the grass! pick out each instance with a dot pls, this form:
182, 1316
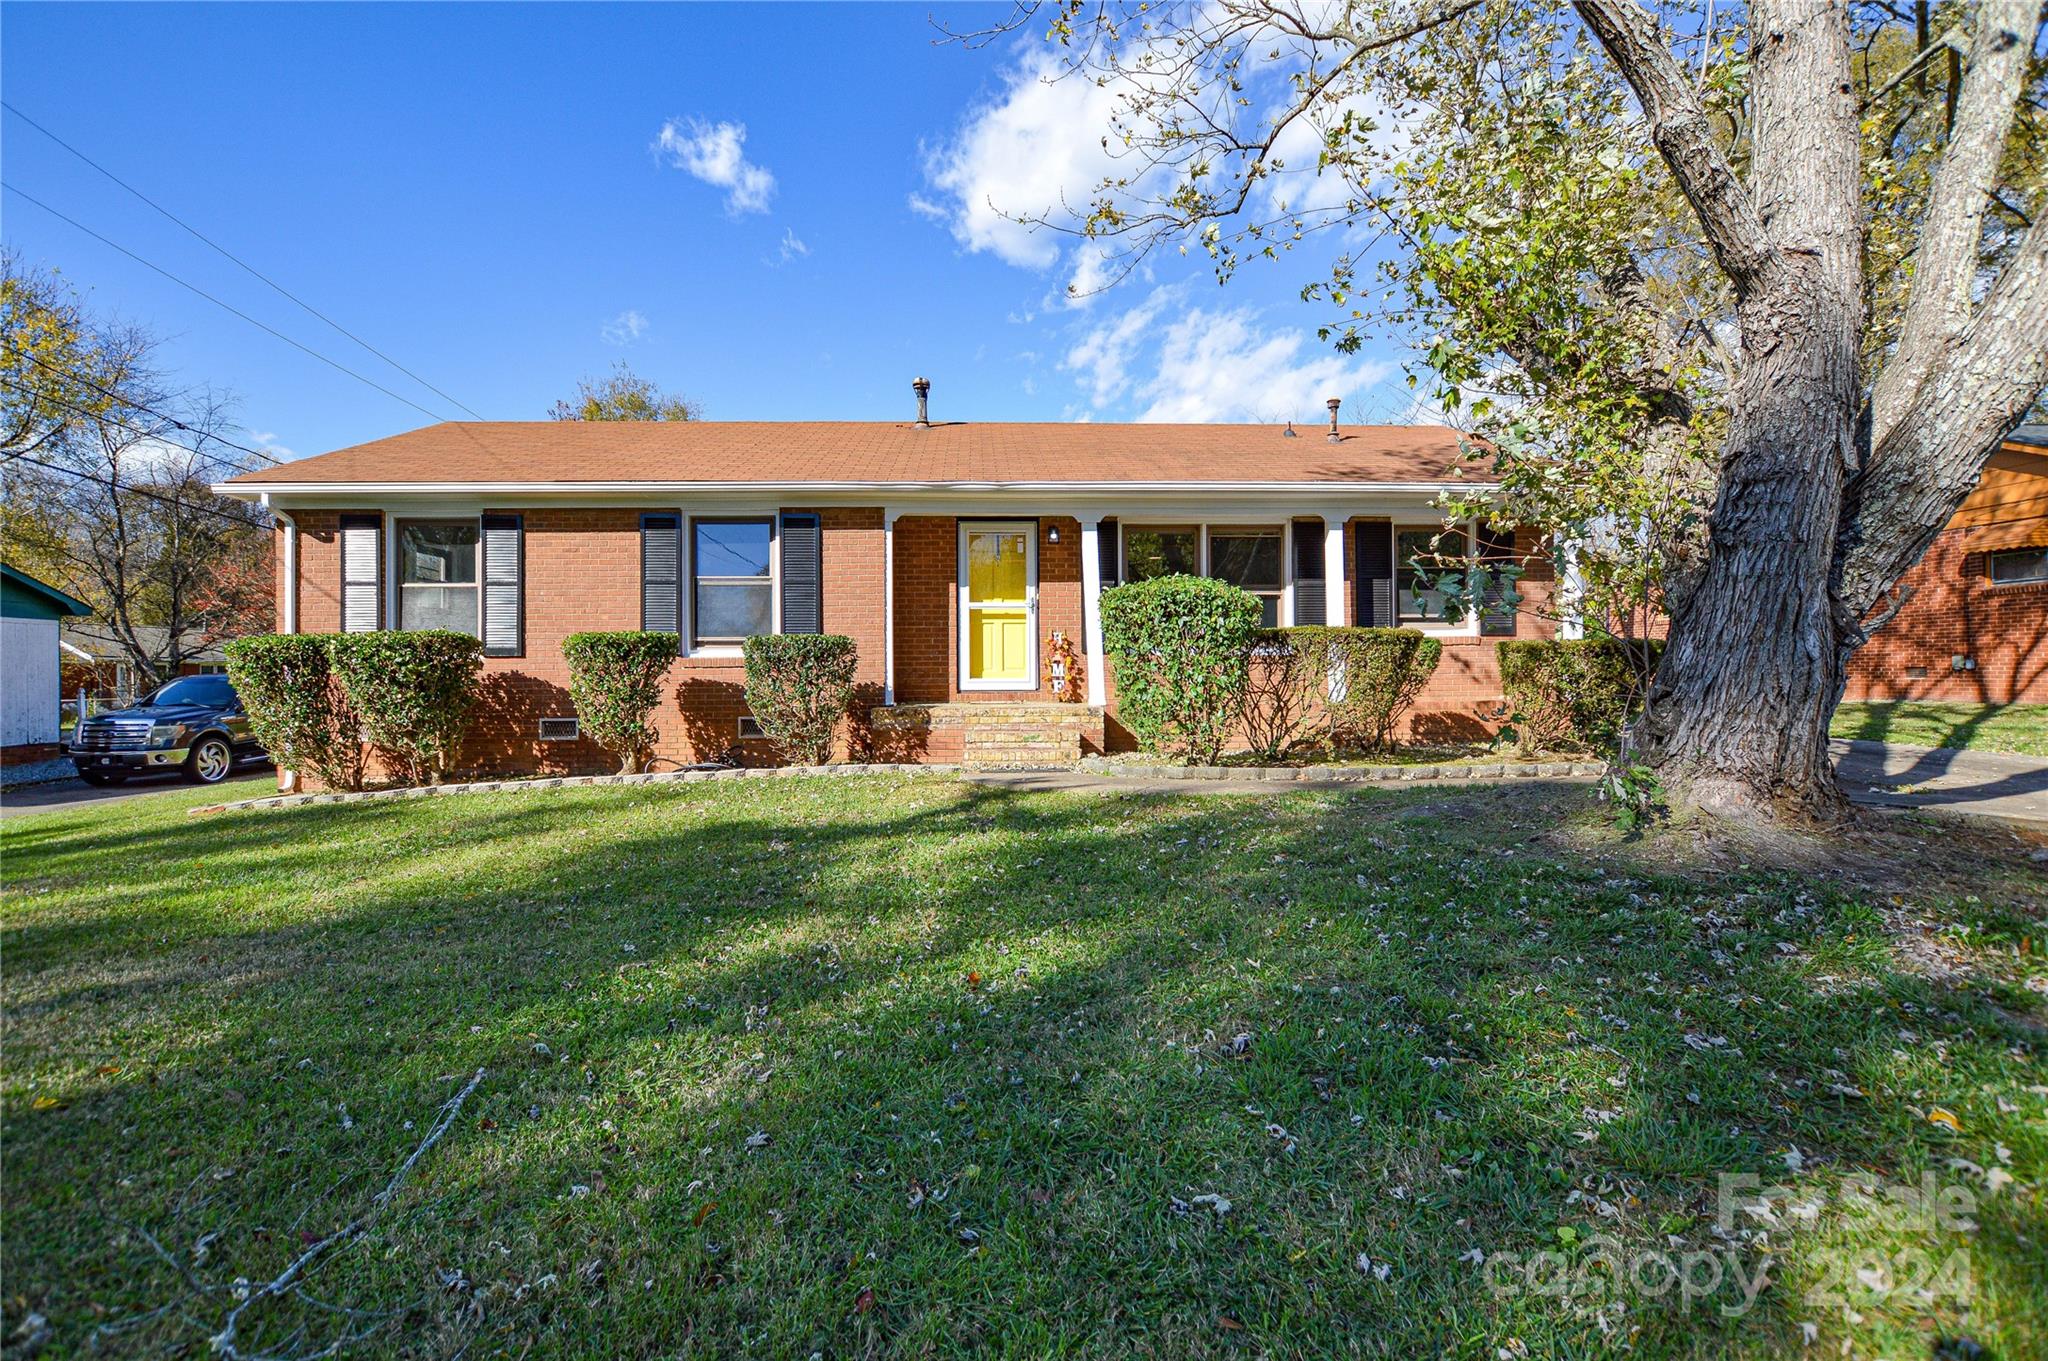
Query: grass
913, 1067
2021, 728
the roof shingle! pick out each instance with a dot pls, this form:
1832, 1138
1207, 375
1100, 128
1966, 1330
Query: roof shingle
791, 452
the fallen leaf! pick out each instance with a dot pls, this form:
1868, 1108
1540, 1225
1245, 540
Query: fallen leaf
703, 1213
1227, 1322
1941, 1115
864, 1301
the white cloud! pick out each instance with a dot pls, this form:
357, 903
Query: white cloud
1103, 356
1203, 364
792, 247
715, 154
266, 440
1034, 151
624, 329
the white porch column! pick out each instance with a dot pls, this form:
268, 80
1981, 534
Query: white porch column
1336, 595
1571, 590
1091, 609
288, 589
888, 606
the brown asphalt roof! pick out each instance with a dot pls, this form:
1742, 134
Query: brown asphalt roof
847, 451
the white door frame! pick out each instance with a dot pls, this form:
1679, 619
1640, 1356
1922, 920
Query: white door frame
1029, 529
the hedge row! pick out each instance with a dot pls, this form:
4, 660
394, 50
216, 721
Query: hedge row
321, 702
1192, 665
1574, 694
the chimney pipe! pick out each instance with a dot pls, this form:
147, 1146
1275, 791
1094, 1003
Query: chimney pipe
1333, 404
923, 388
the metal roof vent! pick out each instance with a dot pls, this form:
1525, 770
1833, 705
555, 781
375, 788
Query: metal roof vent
1333, 404
923, 388
1288, 433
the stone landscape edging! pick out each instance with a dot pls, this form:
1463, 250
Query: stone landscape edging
1093, 765
691, 776
1481, 770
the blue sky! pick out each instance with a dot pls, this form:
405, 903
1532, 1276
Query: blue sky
781, 211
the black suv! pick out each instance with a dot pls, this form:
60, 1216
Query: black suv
193, 724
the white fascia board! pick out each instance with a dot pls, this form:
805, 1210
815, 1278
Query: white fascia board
866, 493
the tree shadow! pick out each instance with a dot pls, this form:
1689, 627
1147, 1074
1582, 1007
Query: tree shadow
1027, 1005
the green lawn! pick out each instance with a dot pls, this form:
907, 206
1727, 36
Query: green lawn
901, 1066
2021, 728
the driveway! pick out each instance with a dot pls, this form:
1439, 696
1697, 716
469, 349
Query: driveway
1986, 783
74, 792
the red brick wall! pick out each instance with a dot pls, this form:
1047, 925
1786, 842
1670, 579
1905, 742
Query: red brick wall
928, 607
582, 573
1956, 611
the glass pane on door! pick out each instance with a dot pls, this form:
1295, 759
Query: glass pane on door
999, 605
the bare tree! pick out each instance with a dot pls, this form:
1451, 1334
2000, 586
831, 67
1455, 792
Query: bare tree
106, 474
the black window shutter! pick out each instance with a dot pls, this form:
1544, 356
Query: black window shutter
1376, 573
504, 585
362, 571
1496, 608
1310, 593
1105, 552
803, 573
661, 539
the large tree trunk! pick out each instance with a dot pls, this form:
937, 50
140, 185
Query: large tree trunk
1753, 667
1738, 720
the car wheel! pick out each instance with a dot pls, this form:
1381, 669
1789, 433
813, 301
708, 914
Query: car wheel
210, 761
101, 779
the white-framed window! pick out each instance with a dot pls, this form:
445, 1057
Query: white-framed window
1421, 554
1250, 559
2017, 566
437, 581
732, 579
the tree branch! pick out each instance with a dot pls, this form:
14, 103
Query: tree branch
1679, 127
1952, 232
1930, 458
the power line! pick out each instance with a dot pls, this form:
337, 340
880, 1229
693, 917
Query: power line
126, 400
92, 415
229, 516
226, 307
245, 265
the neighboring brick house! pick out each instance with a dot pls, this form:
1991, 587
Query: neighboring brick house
1975, 629
96, 664
950, 553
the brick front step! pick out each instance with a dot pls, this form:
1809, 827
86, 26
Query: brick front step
997, 735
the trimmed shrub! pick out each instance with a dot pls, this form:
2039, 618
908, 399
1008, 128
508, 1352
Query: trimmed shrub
1181, 645
414, 691
1282, 693
797, 688
615, 681
1571, 694
1370, 677
297, 708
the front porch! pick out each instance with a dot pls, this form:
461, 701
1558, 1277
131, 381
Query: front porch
991, 735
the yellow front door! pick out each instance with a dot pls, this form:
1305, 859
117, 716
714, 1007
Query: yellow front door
998, 613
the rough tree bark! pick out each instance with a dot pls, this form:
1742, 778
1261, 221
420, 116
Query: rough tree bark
1820, 506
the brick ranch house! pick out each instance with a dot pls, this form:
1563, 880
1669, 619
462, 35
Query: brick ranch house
950, 552
1975, 629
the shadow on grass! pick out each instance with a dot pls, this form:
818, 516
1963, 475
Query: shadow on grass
992, 1039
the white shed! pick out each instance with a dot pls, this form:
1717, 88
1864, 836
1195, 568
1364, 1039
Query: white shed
31, 612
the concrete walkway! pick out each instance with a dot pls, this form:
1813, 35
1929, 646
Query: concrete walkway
1985, 783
